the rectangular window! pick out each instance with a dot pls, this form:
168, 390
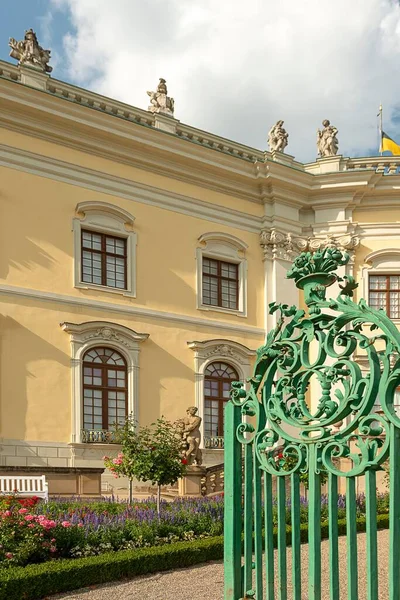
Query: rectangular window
220, 283
103, 260
384, 292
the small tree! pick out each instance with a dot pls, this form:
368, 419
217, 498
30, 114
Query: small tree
151, 453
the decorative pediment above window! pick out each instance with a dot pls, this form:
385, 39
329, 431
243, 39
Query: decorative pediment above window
222, 349
223, 244
99, 213
103, 332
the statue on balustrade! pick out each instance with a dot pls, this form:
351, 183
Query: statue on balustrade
188, 430
160, 102
29, 53
277, 138
327, 142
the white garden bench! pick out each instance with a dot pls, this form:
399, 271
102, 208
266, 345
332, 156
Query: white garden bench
25, 485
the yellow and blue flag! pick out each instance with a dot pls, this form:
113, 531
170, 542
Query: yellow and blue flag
389, 145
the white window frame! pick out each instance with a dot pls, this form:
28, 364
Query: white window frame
228, 248
103, 217
85, 336
386, 261
227, 351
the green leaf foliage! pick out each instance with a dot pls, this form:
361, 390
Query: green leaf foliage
152, 453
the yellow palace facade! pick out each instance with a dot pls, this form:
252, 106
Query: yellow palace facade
138, 258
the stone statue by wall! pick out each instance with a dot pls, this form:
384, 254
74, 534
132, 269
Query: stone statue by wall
277, 138
327, 142
159, 101
189, 431
29, 53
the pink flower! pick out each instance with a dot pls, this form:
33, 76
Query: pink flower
53, 540
116, 476
22, 511
117, 461
29, 517
7, 513
80, 524
9, 555
66, 524
53, 549
30, 525
120, 455
105, 458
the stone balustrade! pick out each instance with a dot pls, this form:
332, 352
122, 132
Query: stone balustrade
214, 442
97, 436
213, 480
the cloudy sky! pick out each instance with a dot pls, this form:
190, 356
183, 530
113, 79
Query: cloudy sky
234, 67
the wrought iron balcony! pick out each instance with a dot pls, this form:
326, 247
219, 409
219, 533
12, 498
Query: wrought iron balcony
214, 442
97, 436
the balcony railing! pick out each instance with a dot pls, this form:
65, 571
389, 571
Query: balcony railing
214, 442
97, 436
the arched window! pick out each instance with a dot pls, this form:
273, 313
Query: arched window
218, 378
105, 389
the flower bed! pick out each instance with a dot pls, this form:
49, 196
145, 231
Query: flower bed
65, 529
34, 532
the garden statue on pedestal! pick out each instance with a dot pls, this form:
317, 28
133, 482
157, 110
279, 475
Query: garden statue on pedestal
189, 431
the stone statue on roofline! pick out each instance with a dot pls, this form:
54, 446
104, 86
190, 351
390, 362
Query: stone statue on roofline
29, 53
160, 102
327, 142
277, 138
188, 430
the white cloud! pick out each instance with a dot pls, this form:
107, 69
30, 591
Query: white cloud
235, 68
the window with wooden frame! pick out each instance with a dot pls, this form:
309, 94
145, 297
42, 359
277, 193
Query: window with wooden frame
105, 389
384, 292
220, 283
104, 259
218, 378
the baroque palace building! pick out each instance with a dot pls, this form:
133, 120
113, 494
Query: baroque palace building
138, 259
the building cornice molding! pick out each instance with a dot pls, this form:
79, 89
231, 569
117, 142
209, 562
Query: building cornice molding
58, 170
128, 310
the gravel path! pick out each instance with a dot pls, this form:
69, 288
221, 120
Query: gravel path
206, 581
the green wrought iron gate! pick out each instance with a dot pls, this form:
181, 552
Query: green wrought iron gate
311, 413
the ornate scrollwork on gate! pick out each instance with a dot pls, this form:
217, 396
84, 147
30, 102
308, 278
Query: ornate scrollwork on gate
307, 380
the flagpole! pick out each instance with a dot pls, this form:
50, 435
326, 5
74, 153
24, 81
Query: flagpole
380, 129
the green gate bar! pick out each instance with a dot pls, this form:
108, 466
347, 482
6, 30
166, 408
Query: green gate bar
371, 533
333, 536
282, 563
351, 532
232, 504
314, 528
258, 545
295, 523
269, 537
248, 520
394, 514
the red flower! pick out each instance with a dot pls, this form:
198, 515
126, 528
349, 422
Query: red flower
184, 461
280, 455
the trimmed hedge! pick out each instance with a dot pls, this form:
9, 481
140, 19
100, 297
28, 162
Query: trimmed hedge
36, 581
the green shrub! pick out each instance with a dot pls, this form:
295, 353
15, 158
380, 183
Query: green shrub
36, 581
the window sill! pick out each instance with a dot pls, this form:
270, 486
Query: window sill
104, 288
220, 309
